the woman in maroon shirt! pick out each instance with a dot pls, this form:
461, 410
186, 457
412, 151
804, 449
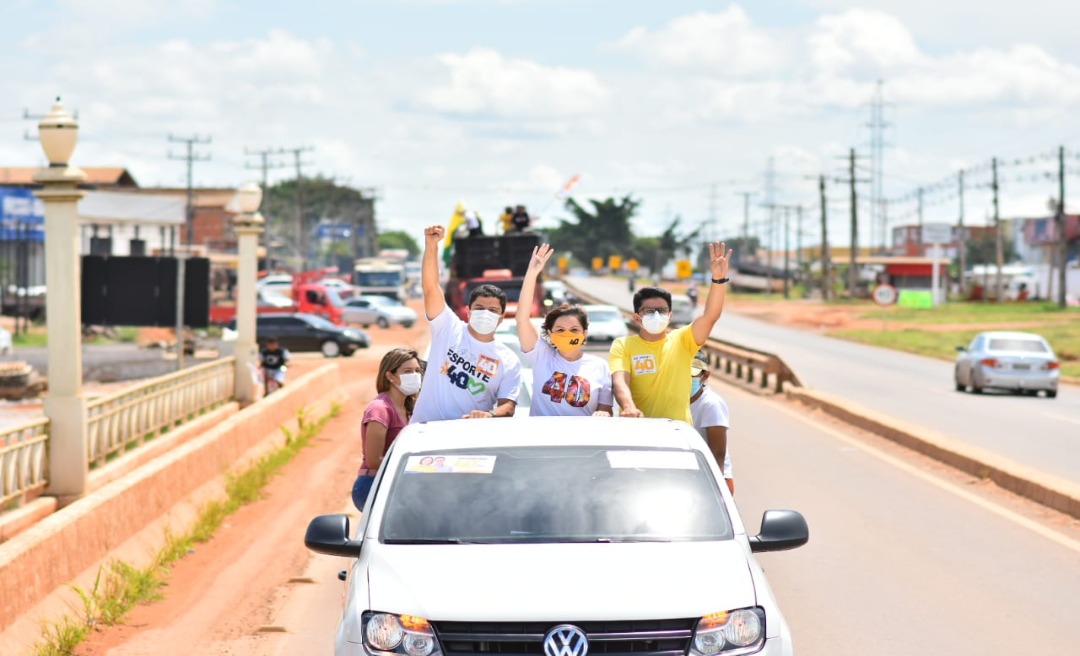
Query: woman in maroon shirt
398, 384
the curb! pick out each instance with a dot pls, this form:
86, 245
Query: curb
1030, 483
72, 541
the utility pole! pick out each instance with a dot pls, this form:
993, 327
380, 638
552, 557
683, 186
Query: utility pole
798, 238
877, 127
826, 265
787, 249
713, 230
189, 220
1062, 244
918, 234
962, 236
301, 229
746, 215
999, 245
853, 273
265, 165
190, 157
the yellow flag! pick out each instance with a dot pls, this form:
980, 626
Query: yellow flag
457, 219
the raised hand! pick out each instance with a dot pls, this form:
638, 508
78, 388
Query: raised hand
719, 259
434, 234
541, 255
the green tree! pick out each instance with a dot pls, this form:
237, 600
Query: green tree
399, 239
670, 244
602, 231
983, 249
323, 199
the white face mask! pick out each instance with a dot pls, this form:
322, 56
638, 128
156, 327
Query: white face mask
483, 321
655, 322
410, 383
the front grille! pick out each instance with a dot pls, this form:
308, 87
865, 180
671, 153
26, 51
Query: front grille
612, 638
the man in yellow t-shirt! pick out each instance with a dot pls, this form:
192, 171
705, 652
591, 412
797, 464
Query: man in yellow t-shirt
650, 372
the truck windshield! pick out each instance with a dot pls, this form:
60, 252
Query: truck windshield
554, 494
512, 289
379, 278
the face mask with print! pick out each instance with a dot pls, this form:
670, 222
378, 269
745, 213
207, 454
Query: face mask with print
483, 321
695, 386
410, 383
567, 342
655, 322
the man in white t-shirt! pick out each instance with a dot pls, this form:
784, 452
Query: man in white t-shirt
469, 375
710, 415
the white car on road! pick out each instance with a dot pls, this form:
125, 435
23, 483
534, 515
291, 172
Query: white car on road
379, 310
606, 323
562, 536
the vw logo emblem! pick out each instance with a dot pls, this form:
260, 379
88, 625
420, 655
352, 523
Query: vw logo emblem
566, 640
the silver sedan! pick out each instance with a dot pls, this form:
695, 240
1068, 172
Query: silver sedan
1013, 361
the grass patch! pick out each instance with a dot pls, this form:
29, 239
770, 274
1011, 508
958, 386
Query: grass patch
1064, 337
36, 336
119, 587
978, 313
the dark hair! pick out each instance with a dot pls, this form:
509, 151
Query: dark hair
391, 362
566, 310
488, 291
645, 293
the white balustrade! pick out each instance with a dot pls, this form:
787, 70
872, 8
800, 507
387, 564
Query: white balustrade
22, 460
125, 420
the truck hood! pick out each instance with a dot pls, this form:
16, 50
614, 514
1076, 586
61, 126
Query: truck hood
550, 582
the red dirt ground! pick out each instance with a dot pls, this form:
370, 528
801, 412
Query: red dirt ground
226, 589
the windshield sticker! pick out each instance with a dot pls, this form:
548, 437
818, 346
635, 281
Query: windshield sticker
450, 464
652, 460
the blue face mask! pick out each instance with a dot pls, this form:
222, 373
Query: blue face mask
695, 386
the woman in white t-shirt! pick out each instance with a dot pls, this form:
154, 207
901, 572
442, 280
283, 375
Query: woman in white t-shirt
566, 380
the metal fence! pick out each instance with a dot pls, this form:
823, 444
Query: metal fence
125, 420
23, 465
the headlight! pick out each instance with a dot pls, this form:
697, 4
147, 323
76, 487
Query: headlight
386, 633
729, 633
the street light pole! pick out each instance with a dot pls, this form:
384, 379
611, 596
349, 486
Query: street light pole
248, 225
65, 405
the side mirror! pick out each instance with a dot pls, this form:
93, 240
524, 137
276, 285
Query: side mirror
961, 349
329, 534
780, 530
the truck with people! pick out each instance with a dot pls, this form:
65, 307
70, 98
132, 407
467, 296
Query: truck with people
307, 294
379, 276
500, 260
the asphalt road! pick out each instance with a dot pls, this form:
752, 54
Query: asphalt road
901, 560
1033, 431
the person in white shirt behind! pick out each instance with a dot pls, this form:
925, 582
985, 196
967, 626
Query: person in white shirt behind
710, 413
469, 374
566, 380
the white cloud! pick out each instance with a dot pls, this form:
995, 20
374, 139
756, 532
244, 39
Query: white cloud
484, 82
862, 40
725, 43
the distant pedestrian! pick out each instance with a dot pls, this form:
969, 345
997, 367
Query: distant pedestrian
692, 293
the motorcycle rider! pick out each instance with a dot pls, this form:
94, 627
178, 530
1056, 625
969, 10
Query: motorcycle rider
274, 358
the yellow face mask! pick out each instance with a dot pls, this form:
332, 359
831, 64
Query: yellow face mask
567, 342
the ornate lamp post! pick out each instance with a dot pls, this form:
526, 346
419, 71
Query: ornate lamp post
248, 225
65, 404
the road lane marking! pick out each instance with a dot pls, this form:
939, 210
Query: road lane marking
1071, 420
1004, 513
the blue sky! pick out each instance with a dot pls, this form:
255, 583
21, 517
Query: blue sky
492, 102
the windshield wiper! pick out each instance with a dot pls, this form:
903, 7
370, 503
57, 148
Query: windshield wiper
427, 541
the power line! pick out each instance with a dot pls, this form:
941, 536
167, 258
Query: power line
190, 156
264, 166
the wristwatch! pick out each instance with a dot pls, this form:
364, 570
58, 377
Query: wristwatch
720, 281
